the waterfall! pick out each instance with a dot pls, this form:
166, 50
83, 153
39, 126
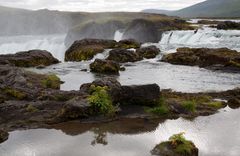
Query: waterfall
206, 37
118, 35
51, 43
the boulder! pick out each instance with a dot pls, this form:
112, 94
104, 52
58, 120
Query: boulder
32, 58
86, 49
3, 136
123, 56
146, 95
228, 25
103, 30
234, 103
221, 58
142, 30
176, 146
148, 52
105, 66
128, 44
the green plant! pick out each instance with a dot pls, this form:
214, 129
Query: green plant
31, 108
161, 109
15, 93
215, 104
51, 81
101, 101
189, 105
182, 146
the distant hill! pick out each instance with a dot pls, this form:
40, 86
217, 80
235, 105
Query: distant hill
209, 8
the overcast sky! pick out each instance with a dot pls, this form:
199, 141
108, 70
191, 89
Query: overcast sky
99, 5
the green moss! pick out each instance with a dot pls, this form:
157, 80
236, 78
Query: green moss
235, 64
101, 101
189, 105
15, 93
51, 81
160, 110
31, 108
215, 104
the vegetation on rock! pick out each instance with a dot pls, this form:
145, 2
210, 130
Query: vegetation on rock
51, 81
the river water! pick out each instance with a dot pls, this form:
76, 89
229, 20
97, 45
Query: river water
216, 135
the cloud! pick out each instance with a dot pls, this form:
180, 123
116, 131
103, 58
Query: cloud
99, 5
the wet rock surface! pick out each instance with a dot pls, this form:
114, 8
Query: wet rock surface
148, 52
228, 25
3, 136
32, 58
105, 66
123, 56
215, 59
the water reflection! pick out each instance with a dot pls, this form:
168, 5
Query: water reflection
216, 135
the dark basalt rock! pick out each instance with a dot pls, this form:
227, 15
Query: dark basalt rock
32, 58
234, 103
128, 44
216, 59
95, 30
146, 95
86, 49
228, 25
123, 56
142, 30
105, 66
148, 52
3, 136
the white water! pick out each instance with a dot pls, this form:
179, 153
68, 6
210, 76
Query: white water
51, 43
205, 37
118, 35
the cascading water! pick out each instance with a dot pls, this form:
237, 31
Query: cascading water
118, 35
51, 43
205, 37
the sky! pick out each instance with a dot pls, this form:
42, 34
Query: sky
99, 5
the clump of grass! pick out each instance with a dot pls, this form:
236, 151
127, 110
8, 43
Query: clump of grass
215, 104
101, 101
189, 105
15, 93
51, 81
182, 146
161, 109
31, 108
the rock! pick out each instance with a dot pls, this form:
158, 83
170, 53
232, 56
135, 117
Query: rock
86, 49
123, 56
77, 107
105, 66
228, 25
142, 30
148, 52
176, 146
221, 58
105, 30
146, 95
128, 44
234, 103
3, 136
32, 58
113, 85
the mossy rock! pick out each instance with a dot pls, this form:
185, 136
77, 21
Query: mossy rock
51, 81
177, 145
3, 136
15, 93
128, 44
105, 66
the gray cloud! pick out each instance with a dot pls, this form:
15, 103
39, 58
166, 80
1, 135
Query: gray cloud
99, 5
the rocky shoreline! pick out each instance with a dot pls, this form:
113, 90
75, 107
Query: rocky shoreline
31, 100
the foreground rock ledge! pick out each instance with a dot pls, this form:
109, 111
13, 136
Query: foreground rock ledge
215, 59
3, 136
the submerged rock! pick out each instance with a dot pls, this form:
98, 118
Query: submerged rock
3, 136
148, 52
32, 58
217, 59
123, 56
86, 49
176, 146
105, 66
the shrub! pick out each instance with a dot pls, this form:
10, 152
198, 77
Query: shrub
189, 105
51, 81
101, 101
